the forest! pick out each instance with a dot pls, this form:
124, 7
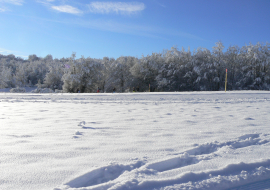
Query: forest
172, 70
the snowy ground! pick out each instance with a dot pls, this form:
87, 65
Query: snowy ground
188, 140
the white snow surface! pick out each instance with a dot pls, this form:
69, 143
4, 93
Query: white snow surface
162, 141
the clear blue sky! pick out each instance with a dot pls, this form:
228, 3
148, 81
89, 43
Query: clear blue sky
128, 28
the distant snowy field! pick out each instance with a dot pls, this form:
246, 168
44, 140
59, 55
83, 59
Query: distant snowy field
181, 140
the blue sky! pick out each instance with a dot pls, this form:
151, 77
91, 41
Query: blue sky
128, 28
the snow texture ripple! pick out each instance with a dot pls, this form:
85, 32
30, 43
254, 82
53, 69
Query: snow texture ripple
161, 141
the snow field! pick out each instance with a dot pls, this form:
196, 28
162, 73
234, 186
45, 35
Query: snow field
199, 140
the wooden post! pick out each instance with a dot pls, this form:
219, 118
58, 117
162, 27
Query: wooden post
226, 81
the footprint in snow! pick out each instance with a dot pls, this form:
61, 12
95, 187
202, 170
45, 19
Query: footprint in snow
75, 136
102, 175
78, 133
82, 123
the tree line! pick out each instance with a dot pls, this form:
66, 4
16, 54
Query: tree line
172, 70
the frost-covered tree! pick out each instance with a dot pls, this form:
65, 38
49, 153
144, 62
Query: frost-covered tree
53, 78
201, 72
233, 66
246, 78
21, 75
48, 58
119, 75
219, 64
171, 74
265, 66
37, 70
106, 65
258, 56
173, 70
33, 57
146, 70
6, 79
81, 74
